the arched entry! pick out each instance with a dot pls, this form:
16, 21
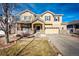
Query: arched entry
38, 25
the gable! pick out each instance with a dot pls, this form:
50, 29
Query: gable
48, 12
37, 21
25, 12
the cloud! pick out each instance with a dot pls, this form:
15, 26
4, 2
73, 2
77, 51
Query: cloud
70, 10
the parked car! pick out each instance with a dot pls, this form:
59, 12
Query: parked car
2, 33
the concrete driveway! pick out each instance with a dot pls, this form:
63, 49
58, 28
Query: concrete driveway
67, 45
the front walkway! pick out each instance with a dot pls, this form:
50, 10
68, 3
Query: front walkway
67, 45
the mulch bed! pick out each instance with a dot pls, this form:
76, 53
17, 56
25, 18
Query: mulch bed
12, 42
7, 45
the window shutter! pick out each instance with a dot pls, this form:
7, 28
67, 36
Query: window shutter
58, 18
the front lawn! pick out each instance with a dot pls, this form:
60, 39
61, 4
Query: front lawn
30, 48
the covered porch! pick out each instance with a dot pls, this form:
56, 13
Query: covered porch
38, 25
23, 27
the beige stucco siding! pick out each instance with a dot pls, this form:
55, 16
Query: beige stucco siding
52, 23
51, 18
50, 26
64, 27
58, 23
27, 14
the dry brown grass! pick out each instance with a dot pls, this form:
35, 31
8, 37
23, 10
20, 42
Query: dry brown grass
35, 48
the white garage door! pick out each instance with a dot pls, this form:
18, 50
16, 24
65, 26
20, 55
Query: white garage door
52, 31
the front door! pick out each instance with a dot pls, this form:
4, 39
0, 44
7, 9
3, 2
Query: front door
38, 28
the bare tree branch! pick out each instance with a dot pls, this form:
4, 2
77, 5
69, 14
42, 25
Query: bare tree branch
7, 24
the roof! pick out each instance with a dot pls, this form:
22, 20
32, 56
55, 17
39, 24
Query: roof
65, 23
52, 13
25, 11
38, 20
48, 12
30, 21
24, 22
74, 22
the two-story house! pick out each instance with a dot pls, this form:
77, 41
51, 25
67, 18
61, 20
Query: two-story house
47, 22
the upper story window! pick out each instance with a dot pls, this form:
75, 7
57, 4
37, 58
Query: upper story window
56, 18
17, 17
47, 18
27, 18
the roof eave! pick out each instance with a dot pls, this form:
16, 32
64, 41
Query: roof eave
47, 11
24, 11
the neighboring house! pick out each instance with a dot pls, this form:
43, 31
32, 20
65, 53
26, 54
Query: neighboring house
73, 26
47, 22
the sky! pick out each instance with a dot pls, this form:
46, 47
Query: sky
70, 10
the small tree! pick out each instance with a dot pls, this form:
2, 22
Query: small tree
6, 21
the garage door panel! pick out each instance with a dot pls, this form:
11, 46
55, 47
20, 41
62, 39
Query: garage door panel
52, 31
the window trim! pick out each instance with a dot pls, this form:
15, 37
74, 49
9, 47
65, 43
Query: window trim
27, 18
55, 19
47, 18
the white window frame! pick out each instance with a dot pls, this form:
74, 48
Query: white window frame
27, 18
55, 19
47, 18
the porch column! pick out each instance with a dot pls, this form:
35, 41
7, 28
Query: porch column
32, 27
15, 28
43, 26
19, 26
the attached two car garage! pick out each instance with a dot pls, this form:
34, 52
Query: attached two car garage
52, 30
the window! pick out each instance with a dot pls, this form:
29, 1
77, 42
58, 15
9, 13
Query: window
22, 17
47, 18
55, 18
17, 17
27, 18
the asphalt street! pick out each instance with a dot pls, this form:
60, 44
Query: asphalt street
67, 45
